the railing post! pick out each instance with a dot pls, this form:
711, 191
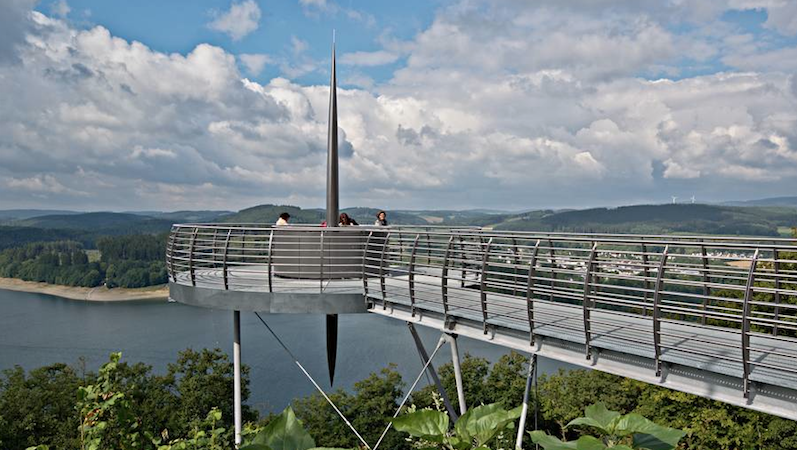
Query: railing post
412, 274
706, 280
515, 263
321, 260
656, 312
746, 312
444, 281
382, 272
585, 303
365, 264
191, 257
171, 253
270, 257
530, 290
462, 261
776, 268
553, 268
224, 260
483, 284
646, 272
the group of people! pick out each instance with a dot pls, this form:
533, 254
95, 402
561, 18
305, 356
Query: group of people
343, 221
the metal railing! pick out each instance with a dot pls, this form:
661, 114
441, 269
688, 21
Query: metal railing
745, 286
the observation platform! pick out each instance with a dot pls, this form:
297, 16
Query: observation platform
712, 316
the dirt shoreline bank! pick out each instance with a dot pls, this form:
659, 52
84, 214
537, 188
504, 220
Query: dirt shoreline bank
98, 294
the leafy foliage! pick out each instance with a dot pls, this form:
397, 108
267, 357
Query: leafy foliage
476, 429
58, 407
617, 431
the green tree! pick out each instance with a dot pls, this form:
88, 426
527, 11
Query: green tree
39, 408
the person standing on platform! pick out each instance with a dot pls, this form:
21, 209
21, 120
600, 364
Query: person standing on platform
345, 220
283, 220
381, 219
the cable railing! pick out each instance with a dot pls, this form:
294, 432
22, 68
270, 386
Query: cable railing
713, 298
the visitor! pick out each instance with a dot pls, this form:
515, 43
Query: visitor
345, 220
381, 219
283, 220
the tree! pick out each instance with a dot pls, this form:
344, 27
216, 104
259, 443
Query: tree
39, 408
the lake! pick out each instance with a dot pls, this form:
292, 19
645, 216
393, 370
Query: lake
37, 330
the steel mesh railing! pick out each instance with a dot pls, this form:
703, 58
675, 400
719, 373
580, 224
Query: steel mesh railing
739, 285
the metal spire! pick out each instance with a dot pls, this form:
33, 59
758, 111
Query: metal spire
332, 148
333, 204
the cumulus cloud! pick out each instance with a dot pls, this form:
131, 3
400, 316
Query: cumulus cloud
377, 58
60, 8
496, 105
254, 62
15, 22
242, 19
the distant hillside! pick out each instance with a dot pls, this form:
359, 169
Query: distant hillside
18, 236
191, 216
649, 219
100, 222
774, 201
268, 214
22, 214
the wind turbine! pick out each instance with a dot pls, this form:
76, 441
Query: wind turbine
674, 198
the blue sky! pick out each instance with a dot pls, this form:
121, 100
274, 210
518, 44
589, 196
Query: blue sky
443, 104
179, 26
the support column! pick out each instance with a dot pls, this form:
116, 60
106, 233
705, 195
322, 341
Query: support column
236, 365
452, 338
432, 372
521, 429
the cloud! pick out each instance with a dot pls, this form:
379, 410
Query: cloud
43, 185
15, 22
254, 62
494, 106
242, 19
368, 59
60, 8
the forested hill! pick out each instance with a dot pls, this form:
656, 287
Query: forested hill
104, 222
678, 218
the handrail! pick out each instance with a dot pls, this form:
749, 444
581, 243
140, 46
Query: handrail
745, 286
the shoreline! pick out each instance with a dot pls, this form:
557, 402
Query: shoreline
97, 294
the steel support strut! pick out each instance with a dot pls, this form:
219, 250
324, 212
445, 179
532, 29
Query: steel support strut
452, 339
236, 367
521, 429
430, 368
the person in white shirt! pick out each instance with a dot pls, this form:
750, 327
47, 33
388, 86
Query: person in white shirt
283, 220
381, 219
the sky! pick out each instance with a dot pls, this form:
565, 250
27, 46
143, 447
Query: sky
456, 104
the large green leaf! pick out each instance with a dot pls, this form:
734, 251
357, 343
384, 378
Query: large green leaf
551, 443
586, 421
484, 422
647, 434
427, 424
598, 416
590, 443
255, 447
285, 432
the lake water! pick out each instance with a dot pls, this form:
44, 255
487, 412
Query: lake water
37, 330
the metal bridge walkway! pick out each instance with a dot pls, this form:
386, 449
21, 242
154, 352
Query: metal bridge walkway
712, 316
